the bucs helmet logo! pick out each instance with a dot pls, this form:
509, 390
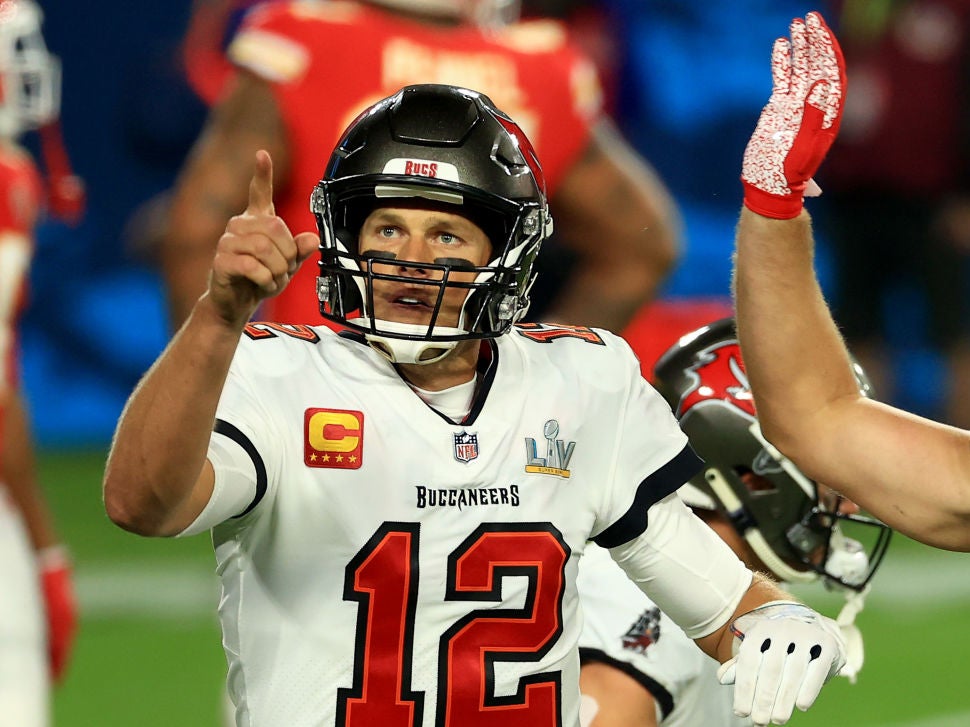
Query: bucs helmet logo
719, 376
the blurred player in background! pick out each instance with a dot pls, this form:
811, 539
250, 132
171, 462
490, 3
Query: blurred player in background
308, 68
639, 668
911, 472
34, 567
390, 552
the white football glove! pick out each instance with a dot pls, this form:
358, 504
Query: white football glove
784, 653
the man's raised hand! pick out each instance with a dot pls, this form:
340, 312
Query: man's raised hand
799, 123
257, 255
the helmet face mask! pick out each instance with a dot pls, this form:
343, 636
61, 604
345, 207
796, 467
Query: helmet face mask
435, 147
797, 533
29, 75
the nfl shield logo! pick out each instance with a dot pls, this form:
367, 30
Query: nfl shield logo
466, 446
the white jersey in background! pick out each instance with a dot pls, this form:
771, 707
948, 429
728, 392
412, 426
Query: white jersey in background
625, 629
381, 564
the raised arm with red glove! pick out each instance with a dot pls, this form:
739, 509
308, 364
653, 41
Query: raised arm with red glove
799, 123
910, 472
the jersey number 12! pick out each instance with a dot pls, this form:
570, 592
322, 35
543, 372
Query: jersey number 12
383, 579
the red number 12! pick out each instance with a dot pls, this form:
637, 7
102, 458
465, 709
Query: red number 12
383, 579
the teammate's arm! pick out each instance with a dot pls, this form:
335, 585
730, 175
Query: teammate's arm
212, 186
18, 468
158, 480
618, 699
19, 473
612, 209
912, 473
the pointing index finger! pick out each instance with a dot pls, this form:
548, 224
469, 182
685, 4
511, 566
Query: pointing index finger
261, 185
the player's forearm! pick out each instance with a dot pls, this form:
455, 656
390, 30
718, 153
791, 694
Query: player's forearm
793, 352
19, 475
910, 472
159, 448
719, 645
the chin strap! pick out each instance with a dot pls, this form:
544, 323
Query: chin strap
409, 351
855, 652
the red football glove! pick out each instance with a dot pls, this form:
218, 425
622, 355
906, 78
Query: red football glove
55, 574
800, 121
66, 196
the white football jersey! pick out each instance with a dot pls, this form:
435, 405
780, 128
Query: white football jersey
625, 629
396, 568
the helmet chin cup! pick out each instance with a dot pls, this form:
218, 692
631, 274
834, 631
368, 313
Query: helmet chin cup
847, 560
408, 350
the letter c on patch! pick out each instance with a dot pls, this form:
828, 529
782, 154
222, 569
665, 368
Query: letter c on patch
334, 438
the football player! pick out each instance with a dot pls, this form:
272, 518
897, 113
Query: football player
306, 69
37, 608
398, 511
912, 473
639, 669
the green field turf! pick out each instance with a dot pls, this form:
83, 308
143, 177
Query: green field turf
148, 652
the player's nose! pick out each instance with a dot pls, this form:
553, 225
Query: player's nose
415, 250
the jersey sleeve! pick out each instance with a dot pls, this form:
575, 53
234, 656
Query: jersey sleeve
278, 41
241, 450
685, 568
653, 457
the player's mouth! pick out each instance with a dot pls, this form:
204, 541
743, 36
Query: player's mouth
408, 301
407, 305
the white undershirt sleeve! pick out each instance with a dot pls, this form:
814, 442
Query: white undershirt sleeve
234, 488
685, 568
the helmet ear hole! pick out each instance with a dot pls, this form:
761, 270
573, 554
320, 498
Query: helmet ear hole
756, 484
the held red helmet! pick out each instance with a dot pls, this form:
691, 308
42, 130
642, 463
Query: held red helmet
448, 146
767, 499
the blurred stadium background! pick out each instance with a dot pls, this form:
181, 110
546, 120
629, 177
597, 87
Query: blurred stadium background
149, 651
